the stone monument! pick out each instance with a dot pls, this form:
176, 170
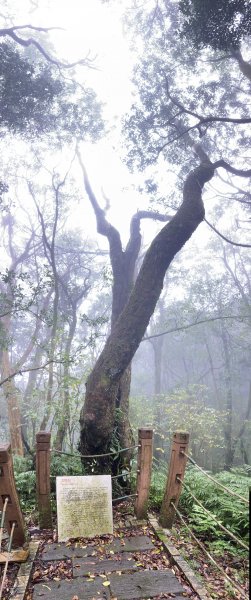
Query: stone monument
84, 506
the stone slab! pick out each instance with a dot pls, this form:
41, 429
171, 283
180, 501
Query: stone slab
135, 543
95, 564
67, 589
84, 506
145, 584
61, 551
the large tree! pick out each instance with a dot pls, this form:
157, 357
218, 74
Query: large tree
123, 264
171, 118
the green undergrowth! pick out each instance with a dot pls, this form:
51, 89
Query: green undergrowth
25, 477
229, 511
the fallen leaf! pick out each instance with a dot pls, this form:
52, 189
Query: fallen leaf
106, 583
48, 588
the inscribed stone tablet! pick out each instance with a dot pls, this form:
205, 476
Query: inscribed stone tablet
84, 506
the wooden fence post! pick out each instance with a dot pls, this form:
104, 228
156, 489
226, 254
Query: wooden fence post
43, 462
144, 470
8, 490
176, 471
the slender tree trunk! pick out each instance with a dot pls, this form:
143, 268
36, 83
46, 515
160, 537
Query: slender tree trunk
64, 416
28, 395
212, 372
157, 345
49, 249
48, 401
14, 415
228, 430
239, 437
97, 415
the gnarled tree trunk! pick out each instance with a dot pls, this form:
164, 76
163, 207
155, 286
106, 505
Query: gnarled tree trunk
12, 400
123, 264
97, 414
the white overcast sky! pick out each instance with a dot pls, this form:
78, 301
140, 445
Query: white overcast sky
90, 26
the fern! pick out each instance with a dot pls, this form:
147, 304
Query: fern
229, 511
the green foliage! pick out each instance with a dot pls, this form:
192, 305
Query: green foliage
65, 465
229, 511
183, 409
4, 206
220, 24
157, 485
187, 410
25, 478
21, 292
33, 100
175, 83
27, 93
22, 464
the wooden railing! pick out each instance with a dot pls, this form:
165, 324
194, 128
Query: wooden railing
8, 492
43, 475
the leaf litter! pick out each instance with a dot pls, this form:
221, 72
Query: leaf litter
125, 526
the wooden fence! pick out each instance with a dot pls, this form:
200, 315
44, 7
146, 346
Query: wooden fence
43, 481
9, 498
144, 468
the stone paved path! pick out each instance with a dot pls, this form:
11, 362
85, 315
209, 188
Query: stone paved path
113, 571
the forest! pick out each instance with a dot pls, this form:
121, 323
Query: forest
125, 278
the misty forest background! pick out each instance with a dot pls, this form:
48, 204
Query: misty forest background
190, 95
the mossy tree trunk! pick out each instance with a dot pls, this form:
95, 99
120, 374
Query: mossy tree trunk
123, 264
97, 414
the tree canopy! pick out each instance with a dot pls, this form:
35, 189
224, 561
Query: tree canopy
219, 24
36, 99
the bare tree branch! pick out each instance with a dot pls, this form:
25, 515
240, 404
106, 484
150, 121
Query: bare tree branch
10, 32
239, 172
184, 327
21, 371
225, 238
29, 26
202, 120
134, 243
103, 226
